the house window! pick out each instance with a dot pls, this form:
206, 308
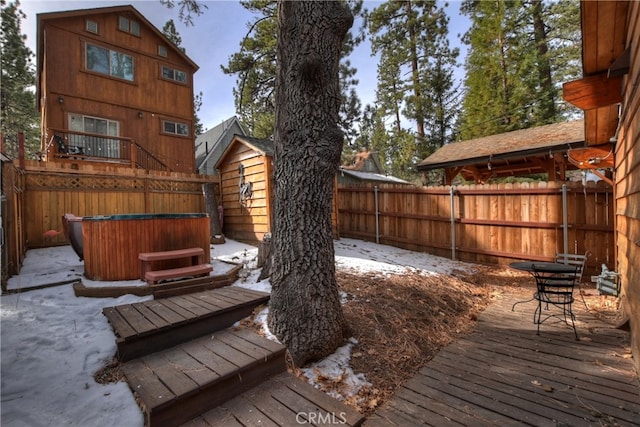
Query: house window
93, 145
162, 50
109, 62
92, 26
128, 26
175, 128
172, 74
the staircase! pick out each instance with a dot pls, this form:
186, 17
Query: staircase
187, 365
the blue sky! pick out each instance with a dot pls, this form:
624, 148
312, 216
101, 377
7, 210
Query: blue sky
213, 38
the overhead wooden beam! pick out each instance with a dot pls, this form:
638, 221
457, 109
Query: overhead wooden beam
451, 173
593, 91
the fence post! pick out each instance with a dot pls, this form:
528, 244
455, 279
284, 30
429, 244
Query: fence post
565, 225
453, 223
21, 149
375, 197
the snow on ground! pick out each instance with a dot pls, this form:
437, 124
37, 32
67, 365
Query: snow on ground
53, 342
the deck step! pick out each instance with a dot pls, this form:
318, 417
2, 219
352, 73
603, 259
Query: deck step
180, 383
150, 326
153, 277
283, 400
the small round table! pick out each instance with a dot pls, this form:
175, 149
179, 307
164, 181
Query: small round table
552, 266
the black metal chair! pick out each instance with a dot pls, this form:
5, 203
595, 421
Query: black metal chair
579, 261
63, 148
555, 295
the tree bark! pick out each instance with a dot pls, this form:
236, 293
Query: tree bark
547, 102
304, 310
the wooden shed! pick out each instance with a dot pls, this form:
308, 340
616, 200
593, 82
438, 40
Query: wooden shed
247, 189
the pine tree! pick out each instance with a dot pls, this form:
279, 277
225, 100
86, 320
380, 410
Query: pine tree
305, 312
170, 32
415, 79
17, 98
255, 67
512, 81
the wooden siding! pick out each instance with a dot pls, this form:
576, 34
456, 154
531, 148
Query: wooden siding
250, 222
603, 26
628, 184
494, 224
53, 189
13, 222
111, 246
65, 77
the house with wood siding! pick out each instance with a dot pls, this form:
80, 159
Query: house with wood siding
210, 145
112, 88
609, 95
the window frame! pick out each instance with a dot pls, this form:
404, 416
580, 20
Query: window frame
110, 53
128, 25
173, 78
106, 145
163, 51
165, 122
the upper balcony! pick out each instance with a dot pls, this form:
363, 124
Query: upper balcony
64, 144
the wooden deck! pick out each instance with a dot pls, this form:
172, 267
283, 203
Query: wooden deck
182, 361
284, 401
161, 290
504, 374
177, 384
150, 326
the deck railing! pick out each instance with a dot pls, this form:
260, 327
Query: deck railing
86, 146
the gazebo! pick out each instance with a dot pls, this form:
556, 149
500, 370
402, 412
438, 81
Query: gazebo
553, 149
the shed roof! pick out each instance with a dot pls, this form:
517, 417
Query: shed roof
372, 177
521, 143
263, 146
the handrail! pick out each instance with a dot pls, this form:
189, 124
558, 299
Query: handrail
99, 147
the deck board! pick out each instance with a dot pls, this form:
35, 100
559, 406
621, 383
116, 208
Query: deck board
502, 373
149, 326
218, 365
177, 384
282, 401
188, 361
138, 322
157, 320
166, 311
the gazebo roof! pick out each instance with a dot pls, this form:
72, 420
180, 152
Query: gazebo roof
536, 150
516, 144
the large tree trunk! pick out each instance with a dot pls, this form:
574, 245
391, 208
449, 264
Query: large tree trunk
304, 311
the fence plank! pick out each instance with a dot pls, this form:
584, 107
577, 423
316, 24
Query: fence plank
494, 224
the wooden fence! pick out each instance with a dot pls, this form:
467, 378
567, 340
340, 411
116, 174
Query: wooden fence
44, 191
489, 224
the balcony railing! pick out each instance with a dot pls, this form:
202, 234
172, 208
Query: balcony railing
66, 144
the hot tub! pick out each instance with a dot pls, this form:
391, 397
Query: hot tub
111, 244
